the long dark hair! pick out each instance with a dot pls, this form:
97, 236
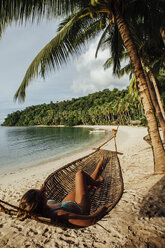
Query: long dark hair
33, 202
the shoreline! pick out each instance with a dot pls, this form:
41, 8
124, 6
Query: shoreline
82, 148
138, 220
59, 161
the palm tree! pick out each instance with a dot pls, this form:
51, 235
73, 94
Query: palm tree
129, 70
85, 22
157, 91
144, 50
155, 102
149, 111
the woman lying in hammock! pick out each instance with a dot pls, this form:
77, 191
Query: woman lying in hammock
75, 206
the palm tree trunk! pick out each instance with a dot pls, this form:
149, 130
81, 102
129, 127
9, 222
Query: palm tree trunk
157, 147
157, 92
155, 102
162, 31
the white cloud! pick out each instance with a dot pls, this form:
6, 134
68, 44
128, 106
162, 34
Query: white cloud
91, 76
18, 47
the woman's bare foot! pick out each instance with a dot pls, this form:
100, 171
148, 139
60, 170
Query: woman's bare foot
100, 179
98, 182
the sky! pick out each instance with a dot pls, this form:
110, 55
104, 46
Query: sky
80, 77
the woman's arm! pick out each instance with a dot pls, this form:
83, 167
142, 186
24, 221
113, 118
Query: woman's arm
83, 220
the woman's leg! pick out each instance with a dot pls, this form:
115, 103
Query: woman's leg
82, 184
95, 175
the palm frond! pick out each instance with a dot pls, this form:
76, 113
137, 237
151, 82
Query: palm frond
102, 40
126, 70
108, 63
111, 39
69, 40
89, 32
117, 49
23, 10
133, 89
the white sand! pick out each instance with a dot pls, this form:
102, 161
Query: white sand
138, 220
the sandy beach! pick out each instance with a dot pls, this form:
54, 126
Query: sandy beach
138, 220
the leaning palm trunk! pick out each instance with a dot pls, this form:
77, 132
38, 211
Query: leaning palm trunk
155, 102
158, 151
157, 92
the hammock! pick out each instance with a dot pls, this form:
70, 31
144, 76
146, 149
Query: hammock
61, 182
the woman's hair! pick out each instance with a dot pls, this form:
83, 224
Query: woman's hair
33, 202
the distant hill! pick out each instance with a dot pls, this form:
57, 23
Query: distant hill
103, 107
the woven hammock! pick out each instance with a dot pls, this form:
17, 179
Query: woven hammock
61, 182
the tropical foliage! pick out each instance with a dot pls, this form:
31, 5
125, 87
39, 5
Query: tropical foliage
104, 107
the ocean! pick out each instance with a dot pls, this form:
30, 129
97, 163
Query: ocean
22, 147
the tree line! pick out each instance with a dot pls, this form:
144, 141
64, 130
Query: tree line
100, 108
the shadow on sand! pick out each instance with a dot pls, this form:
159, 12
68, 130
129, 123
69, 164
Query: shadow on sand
153, 204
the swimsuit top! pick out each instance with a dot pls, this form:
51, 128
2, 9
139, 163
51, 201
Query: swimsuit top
65, 205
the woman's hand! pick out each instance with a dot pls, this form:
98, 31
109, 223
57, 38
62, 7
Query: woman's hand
101, 212
83, 220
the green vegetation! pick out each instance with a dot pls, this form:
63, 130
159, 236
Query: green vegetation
104, 107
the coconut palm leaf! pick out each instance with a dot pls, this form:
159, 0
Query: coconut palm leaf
102, 40
20, 9
72, 34
24, 10
111, 39
108, 63
128, 69
133, 87
117, 50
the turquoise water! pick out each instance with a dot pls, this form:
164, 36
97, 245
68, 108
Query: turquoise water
22, 147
